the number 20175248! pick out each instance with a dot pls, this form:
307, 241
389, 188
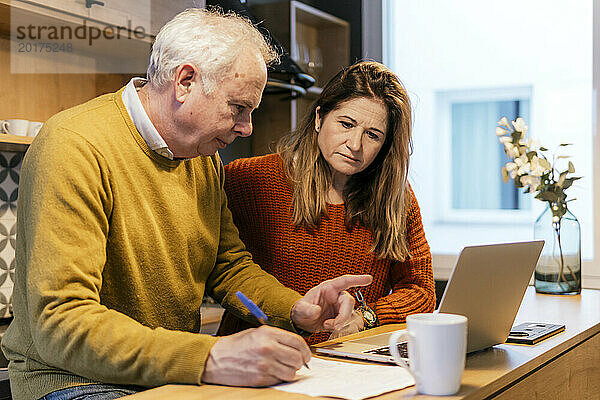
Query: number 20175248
44, 47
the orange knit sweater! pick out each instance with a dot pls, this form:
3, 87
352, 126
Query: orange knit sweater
260, 198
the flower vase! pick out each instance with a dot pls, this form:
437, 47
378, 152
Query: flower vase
558, 270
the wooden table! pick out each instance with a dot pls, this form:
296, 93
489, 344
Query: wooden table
565, 366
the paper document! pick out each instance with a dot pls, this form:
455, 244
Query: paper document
347, 380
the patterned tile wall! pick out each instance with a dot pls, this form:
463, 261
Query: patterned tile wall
10, 168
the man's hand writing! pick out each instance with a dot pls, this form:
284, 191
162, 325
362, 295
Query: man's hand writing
256, 357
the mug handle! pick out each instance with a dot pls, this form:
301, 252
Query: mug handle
3, 126
396, 337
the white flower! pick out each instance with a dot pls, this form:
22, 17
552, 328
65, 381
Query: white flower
511, 150
511, 169
523, 141
524, 169
523, 163
533, 144
504, 122
508, 147
537, 167
531, 181
522, 160
520, 125
500, 131
528, 164
546, 164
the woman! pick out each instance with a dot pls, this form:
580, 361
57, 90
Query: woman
335, 200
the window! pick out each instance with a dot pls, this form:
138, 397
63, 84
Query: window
472, 184
466, 63
477, 158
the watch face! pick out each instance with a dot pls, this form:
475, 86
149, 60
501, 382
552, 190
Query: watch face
369, 316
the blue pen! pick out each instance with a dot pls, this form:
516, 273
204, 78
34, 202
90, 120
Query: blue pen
255, 310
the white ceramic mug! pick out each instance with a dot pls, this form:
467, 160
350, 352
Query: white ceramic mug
437, 347
34, 128
15, 126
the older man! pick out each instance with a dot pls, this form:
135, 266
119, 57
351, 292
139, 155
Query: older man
123, 227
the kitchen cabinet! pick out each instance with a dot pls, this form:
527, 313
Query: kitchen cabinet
131, 14
73, 7
36, 84
14, 143
319, 43
149, 15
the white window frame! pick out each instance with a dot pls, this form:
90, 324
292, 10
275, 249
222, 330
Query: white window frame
445, 213
591, 268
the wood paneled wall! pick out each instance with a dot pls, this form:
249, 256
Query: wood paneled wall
36, 97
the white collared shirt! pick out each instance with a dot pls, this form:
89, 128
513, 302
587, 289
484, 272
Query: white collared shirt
140, 119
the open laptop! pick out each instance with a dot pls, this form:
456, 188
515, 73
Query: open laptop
487, 285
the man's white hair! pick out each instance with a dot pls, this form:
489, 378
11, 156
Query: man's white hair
209, 39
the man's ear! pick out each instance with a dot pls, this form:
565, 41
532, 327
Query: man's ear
186, 76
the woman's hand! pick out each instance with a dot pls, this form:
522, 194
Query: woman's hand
354, 325
328, 306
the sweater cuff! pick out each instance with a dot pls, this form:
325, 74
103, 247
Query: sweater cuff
205, 348
277, 306
280, 314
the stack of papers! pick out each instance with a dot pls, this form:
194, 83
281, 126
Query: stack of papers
347, 380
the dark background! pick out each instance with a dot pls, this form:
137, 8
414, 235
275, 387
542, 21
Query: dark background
349, 10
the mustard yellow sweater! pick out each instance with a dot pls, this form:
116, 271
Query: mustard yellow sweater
116, 247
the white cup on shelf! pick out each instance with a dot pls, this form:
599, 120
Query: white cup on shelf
34, 128
437, 347
15, 126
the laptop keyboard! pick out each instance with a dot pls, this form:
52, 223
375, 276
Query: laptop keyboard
385, 350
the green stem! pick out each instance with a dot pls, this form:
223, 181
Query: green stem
561, 273
573, 275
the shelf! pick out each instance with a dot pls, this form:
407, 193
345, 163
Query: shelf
318, 37
314, 38
14, 143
